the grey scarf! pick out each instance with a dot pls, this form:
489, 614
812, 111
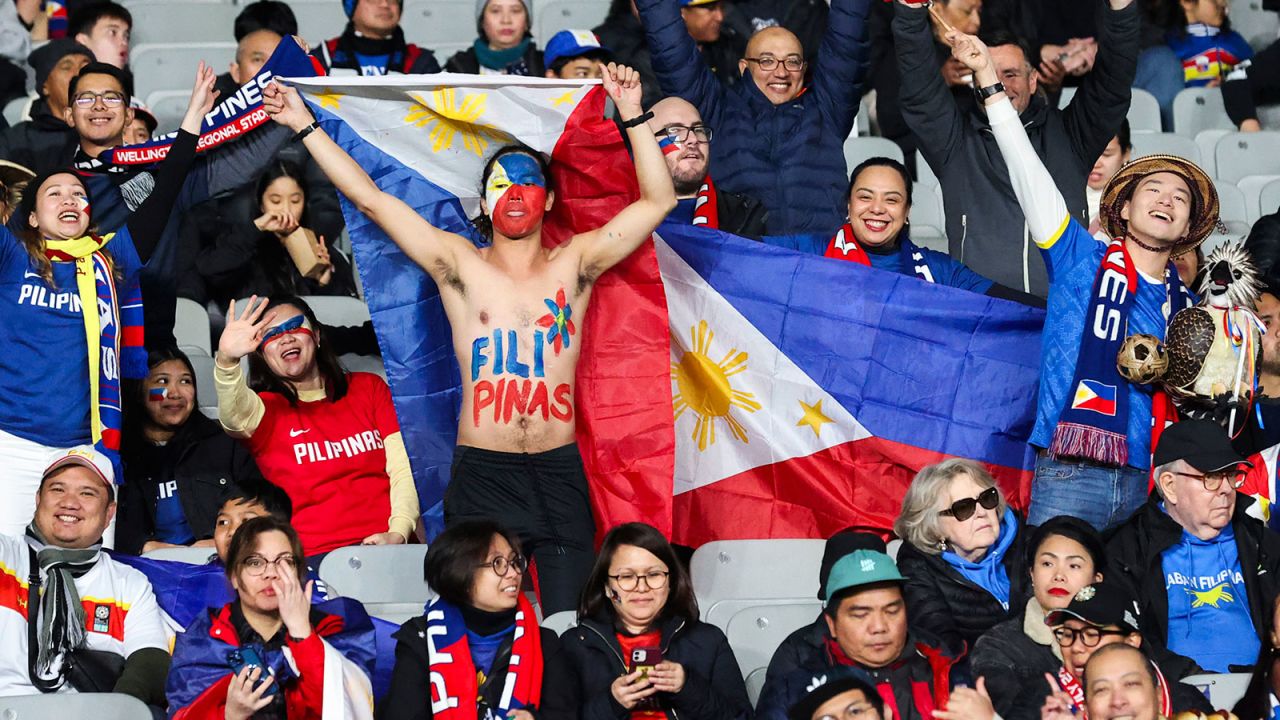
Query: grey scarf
60, 613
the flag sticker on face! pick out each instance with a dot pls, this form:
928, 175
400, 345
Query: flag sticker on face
157, 394
1095, 396
667, 145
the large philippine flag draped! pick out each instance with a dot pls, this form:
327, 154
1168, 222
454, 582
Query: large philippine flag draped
727, 388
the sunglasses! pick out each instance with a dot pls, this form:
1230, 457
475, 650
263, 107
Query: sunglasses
964, 509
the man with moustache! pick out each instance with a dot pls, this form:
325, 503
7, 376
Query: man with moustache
686, 143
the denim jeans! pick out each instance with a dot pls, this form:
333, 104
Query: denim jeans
1102, 496
1160, 73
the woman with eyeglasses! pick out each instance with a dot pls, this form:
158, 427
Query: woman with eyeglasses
478, 652
266, 653
1064, 555
327, 437
639, 649
962, 553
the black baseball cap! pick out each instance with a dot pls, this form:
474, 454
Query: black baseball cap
830, 683
1100, 605
843, 543
44, 58
1202, 444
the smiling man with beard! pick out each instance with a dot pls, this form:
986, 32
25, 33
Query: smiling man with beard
1205, 571
686, 142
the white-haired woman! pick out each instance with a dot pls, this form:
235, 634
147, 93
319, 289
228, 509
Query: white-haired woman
962, 553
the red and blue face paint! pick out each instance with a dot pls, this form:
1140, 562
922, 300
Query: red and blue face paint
516, 193
667, 145
296, 325
157, 394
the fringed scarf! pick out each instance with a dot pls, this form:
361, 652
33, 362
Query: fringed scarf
844, 246
113, 334
453, 684
61, 614
1095, 422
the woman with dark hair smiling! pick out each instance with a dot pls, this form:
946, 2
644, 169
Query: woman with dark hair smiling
478, 648
639, 646
325, 436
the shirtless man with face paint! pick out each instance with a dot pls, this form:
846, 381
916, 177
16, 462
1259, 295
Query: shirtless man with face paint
516, 311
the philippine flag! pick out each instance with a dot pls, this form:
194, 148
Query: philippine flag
727, 388
1095, 396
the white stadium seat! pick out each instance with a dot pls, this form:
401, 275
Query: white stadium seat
338, 310
172, 65
184, 21
319, 20
386, 578
1207, 141
924, 173
928, 220
168, 106
191, 327
1260, 27
756, 632
1252, 189
561, 621
1239, 155
1158, 143
189, 555
1199, 108
99, 706
755, 684
1144, 112
729, 575
1224, 689
206, 393
18, 109
1269, 198
550, 18
857, 149
1232, 208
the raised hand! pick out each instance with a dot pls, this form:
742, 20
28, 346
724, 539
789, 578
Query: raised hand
623, 85
202, 98
243, 698
973, 53
243, 332
295, 602
968, 704
1058, 705
285, 106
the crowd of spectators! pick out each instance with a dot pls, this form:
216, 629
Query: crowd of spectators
1133, 562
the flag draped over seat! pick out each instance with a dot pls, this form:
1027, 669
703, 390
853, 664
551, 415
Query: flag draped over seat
727, 388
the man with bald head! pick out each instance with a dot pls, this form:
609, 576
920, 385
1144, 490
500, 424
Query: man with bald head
773, 142
686, 142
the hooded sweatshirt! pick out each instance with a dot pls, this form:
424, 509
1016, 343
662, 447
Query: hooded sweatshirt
989, 573
1208, 602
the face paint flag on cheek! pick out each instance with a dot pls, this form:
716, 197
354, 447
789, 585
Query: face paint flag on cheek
297, 325
516, 194
84, 205
667, 145
157, 394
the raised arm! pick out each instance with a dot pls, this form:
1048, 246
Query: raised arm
842, 63
1041, 202
676, 61
436, 251
927, 105
1096, 112
603, 248
240, 410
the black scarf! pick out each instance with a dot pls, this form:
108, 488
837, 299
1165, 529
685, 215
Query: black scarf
60, 614
343, 53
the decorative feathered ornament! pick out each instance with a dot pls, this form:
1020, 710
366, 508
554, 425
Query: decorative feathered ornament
1211, 350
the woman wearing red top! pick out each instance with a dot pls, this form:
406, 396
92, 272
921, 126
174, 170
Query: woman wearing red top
329, 438
639, 650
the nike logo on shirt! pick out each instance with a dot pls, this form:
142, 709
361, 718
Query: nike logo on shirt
296, 433
28, 274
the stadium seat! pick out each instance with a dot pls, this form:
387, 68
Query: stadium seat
183, 21
18, 109
1065, 98
1161, 143
191, 327
443, 21
857, 149
892, 547
561, 621
338, 310
1231, 201
168, 106
172, 66
99, 706
1239, 155
1260, 27
189, 555
1199, 108
924, 173
1251, 189
1224, 689
755, 684
206, 393
386, 578
364, 363
1269, 198
1144, 113
756, 632
559, 15
927, 216
319, 20
1207, 141
729, 575
862, 123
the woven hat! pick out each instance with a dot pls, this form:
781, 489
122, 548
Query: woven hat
1204, 197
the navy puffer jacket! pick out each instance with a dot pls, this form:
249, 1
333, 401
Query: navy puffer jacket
789, 156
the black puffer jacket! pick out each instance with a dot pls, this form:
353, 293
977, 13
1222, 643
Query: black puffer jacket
40, 144
943, 603
1011, 662
201, 458
713, 688
798, 651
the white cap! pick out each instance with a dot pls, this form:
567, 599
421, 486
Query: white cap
84, 456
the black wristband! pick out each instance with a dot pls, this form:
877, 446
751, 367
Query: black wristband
637, 120
989, 90
315, 125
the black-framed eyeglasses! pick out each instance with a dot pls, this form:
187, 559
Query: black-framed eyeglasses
965, 508
1213, 481
680, 133
1090, 636
629, 581
88, 99
767, 63
256, 565
501, 565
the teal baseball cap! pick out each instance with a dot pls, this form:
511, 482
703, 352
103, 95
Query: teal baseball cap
861, 567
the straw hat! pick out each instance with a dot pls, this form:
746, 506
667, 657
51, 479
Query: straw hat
1204, 197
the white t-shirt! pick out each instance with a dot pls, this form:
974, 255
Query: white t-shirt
121, 614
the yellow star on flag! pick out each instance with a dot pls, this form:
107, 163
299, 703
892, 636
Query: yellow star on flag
328, 99
564, 99
813, 417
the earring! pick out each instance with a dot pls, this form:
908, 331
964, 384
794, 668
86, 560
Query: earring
942, 545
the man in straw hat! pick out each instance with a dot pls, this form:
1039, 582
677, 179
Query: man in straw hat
1093, 429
